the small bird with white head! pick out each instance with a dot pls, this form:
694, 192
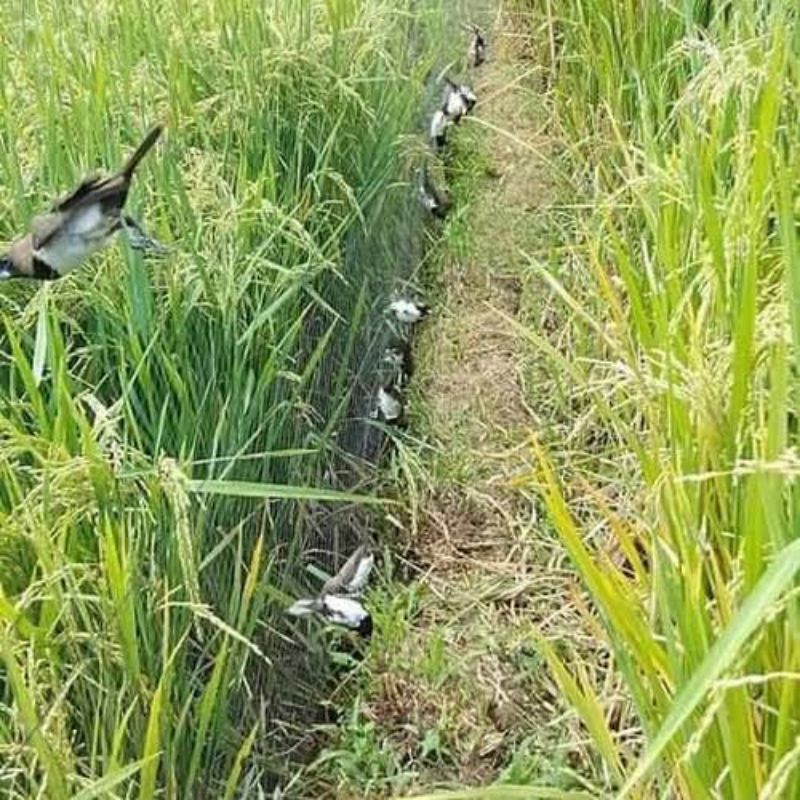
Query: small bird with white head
409, 312
338, 601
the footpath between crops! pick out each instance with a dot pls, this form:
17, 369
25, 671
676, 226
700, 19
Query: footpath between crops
453, 692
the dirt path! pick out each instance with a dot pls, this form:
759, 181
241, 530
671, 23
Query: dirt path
492, 570
453, 692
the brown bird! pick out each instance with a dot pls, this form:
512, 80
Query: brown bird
79, 225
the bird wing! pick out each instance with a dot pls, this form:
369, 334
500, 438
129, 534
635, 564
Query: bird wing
110, 192
78, 193
45, 226
94, 188
344, 577
359, 581
304, 606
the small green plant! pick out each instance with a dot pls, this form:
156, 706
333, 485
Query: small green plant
362, 759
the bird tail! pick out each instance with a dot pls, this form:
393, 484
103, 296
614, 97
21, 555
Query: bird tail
141, 151
303, 607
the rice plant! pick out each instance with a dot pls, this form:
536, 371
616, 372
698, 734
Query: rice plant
683, 280
169, 430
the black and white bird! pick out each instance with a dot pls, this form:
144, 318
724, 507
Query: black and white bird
399, 357
79, 224
454, 104
431, 197
338, 601
409, 312
438, 129
389, 404
468, 95
458, 100
476, 52
347, 612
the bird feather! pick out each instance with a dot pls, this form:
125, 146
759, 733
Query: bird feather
304, 606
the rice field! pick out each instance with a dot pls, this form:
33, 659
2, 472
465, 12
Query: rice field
678, 265
177, 435
174, 433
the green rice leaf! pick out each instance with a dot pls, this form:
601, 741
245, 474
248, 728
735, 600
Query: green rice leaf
271, 491
748, 619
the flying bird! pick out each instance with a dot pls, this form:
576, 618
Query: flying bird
79, 224
346, 612
337, 601
476, 52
